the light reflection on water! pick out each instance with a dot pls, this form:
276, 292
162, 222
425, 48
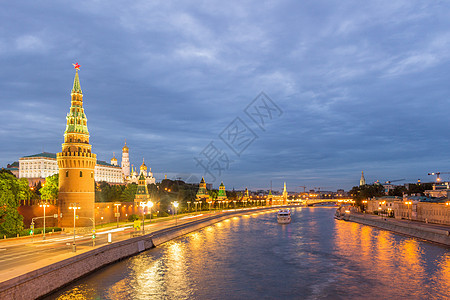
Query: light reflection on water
314, 257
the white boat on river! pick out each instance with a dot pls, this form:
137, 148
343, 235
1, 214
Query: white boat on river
284, 216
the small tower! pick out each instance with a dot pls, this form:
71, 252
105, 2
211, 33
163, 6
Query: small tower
125, 160
362, 181
114, 160
245, 197
142, 194
222, 195
76, 164
202, 192
285, 194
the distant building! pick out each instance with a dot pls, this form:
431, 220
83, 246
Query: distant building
418, 208
362, 181
439, 190
13, 168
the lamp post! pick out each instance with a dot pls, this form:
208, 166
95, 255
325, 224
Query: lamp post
175, 204
234, 201
74, 206
150, 205
143, 205
44, 205
117, 212
189, 206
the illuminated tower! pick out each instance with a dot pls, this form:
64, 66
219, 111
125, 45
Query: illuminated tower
202, 192
76, 165
362, 181
125, 160
222, 195
285, 194
142, 194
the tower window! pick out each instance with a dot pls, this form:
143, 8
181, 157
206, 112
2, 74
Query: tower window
67, 173
92, 174
81, 173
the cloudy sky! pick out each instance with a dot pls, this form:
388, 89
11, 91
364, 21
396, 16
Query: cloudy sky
348, 86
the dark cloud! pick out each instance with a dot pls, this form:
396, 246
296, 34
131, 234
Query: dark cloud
361, 85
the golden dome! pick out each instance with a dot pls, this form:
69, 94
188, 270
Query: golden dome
114, 159
143, 166
125, 148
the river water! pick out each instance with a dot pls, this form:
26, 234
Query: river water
253, 257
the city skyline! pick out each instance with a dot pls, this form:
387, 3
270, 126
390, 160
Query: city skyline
357, 88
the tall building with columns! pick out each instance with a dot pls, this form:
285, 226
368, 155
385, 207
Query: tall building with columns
76, 164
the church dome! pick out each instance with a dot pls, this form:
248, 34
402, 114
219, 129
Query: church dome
143, 166
125, 148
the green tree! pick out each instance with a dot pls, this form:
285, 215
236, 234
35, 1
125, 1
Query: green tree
366, 191
129, 193
398, 191
12, 191
51, 188
419, 188
213, 194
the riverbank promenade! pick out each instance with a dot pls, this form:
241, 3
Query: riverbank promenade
26, 259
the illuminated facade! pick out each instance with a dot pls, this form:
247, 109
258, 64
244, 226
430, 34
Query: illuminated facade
76, 164
39, 166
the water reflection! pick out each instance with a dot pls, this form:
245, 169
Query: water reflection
314, 257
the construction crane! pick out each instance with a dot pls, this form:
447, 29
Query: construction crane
304, 188
438, 178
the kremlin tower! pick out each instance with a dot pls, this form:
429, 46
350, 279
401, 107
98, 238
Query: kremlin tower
76, 165
202, 192
222, 195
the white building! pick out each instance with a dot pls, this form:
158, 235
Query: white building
37, 167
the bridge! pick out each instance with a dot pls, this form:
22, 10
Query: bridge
312, 202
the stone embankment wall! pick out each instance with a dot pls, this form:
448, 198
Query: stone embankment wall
410, 229
43, 281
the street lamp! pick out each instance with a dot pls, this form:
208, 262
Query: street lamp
150, 205
144, 205
175, 204
74, 206
44, 205
189, 206
117, 212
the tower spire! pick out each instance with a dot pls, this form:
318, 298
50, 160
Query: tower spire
362, 181
76, 82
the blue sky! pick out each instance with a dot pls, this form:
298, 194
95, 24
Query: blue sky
360, 85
